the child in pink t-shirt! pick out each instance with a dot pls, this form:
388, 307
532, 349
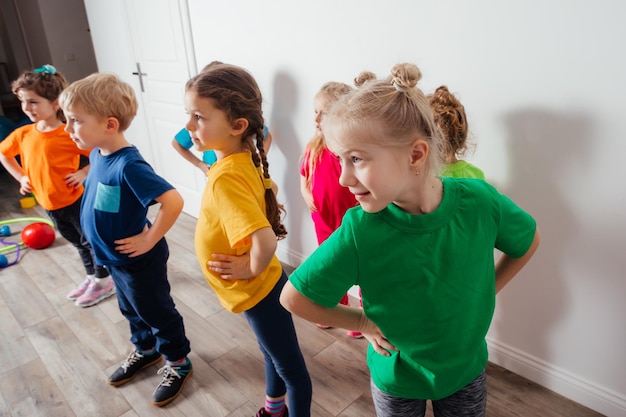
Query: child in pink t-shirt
319, 176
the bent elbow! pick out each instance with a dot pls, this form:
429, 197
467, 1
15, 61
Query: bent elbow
287, 297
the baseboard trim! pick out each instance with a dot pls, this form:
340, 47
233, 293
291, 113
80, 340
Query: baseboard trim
600, 399
289, 257
576, 388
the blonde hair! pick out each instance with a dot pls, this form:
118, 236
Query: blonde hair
364, 77
102, 95
392, 112
450, 117
331, 91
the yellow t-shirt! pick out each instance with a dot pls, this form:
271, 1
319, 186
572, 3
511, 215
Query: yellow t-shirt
232, 208
46, 158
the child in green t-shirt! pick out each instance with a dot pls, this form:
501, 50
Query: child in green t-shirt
450, 117
421, 248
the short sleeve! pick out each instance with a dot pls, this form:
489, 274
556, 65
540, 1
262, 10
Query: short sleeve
144, 182
184, 138
10, 147
516, 229
240, 211
209, 157
331, 270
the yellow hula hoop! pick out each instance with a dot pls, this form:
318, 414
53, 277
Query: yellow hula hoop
23, 220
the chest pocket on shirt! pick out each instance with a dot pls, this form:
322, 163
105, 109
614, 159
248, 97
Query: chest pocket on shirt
108, 198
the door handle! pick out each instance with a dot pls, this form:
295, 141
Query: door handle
140, 75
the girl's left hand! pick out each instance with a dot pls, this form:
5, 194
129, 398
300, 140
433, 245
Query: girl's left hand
231, 266
377, 339
75, 179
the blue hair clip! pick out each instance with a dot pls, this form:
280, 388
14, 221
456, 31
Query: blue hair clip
47, 69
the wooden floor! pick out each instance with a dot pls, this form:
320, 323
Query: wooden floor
55, 357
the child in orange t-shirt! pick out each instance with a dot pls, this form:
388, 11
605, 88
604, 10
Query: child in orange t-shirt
50, 170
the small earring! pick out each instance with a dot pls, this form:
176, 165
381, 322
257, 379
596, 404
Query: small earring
416, 172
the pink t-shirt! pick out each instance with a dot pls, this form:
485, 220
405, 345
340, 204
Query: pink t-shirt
330, 198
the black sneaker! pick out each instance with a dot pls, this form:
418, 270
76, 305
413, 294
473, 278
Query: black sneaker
131, 365
174, 377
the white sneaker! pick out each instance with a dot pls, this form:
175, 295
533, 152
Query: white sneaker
80, 290
95, 293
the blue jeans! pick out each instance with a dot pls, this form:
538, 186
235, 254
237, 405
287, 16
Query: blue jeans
285, 369
143, 295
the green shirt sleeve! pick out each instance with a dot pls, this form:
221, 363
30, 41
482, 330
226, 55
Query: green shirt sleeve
329, 272
516, 229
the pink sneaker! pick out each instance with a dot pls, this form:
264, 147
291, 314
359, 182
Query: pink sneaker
96, 293
80, 290
355, 335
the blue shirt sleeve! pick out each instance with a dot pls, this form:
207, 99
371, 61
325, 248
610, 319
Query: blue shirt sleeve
208, 157
184, 138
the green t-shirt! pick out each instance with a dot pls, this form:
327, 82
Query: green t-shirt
462, 169
427, 281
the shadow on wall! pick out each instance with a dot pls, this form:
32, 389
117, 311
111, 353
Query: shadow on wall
546, 151
283, 108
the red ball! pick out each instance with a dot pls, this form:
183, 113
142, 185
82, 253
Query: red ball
38, 235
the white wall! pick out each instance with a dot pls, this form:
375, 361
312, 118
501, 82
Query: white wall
544, 85
68, 38
17, 54
49, 32
34, 33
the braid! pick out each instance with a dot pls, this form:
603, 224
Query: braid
274, 211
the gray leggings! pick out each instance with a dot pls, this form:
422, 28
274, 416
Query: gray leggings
469, 401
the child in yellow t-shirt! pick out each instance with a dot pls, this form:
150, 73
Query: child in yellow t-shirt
239, 224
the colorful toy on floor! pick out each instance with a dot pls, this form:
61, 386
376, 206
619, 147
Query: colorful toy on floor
28, 202
38, 235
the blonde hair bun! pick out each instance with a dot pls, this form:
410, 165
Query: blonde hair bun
364, 77
405, 75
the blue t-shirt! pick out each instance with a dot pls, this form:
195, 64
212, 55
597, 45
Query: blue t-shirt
118, 191
208, 157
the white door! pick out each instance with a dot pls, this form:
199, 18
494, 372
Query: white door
148, 44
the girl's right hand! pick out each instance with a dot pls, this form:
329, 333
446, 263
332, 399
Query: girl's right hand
231, 266
25, 187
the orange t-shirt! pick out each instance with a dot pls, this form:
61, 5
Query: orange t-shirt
46, 158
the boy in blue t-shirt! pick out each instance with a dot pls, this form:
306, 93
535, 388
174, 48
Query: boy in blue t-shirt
120, 187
